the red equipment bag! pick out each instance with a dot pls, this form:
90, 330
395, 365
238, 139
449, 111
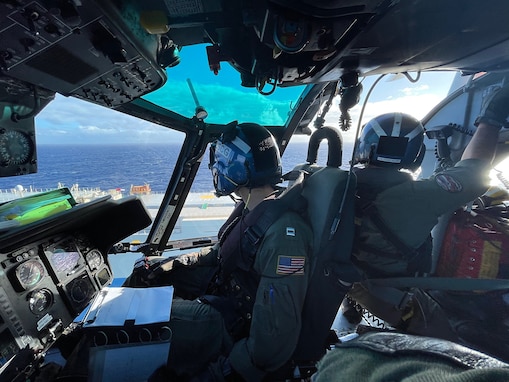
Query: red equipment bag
476, 245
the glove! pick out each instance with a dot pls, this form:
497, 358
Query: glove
164, 266
495, 108
154, 274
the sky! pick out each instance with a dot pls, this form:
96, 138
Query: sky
68, 120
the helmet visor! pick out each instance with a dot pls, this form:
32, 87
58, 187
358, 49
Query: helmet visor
228, 168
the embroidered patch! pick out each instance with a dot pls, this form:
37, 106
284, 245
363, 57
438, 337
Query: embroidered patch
290, 231
290, 265
448, 183
266, 144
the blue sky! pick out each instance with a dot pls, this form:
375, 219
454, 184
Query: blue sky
68, 120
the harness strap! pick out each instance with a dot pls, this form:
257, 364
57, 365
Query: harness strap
253, 234
372, 212
416, 262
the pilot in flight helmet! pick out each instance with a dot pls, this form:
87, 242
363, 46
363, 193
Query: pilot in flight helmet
391, 140
246, 157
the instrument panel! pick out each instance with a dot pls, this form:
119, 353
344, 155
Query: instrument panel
86, 49
43, 287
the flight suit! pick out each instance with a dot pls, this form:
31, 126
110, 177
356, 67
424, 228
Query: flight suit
283, 264
202, 329
410, 209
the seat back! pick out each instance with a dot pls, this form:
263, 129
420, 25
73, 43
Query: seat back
330, 195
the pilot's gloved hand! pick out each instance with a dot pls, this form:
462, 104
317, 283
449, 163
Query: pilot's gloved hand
143, 268
172, 263
495, 108
219, 371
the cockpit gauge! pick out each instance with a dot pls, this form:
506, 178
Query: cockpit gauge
16, 147
29, 273
40, 300
80, 290
103, 277
94, 259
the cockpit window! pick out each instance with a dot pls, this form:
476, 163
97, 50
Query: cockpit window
192, 83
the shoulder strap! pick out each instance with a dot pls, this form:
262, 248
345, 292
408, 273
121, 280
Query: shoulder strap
371, 211
254, 232
418, 259
367, 197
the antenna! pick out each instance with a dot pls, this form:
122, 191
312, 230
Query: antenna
200, 111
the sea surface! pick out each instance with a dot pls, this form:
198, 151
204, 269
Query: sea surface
119, 166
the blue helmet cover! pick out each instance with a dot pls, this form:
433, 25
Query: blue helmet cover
391, 140
250, 159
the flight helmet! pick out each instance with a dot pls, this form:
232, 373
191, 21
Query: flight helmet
248, 156
391, 140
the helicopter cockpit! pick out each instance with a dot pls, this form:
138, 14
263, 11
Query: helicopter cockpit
294, 65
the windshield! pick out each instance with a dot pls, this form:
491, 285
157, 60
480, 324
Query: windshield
221, 95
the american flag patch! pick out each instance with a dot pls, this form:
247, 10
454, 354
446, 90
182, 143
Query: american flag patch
290, 265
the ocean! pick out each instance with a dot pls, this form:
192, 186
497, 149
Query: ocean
120, 166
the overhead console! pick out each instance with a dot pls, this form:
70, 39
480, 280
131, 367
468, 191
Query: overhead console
87, 49
90, 50
51, 269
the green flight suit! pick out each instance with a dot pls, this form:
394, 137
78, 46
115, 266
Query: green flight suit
276, 321
200, 334
410, 209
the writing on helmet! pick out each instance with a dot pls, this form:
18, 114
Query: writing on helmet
248, 157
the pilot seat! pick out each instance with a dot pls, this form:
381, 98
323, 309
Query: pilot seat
330, 194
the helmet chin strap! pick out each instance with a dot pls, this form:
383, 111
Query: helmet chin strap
231, 181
